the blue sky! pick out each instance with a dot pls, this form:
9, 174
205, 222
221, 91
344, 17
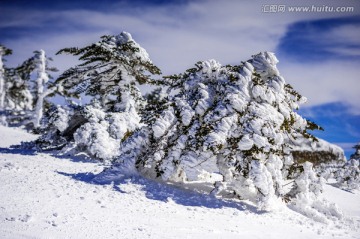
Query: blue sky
319, 53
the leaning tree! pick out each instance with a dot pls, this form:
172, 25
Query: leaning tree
110, 73
230, 124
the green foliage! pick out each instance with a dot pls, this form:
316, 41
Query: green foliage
105, 68
4, 51
289, 89
257, 79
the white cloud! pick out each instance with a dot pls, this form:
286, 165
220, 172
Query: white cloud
327, 82
346, 146
177, 36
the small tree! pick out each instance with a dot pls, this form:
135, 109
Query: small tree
40, 85
44, 88
18, 98
356, 155
3, 52
349, 174
306, 191
18, 95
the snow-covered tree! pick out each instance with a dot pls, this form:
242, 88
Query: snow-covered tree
110, 70
18, 95
230, 121
356, 155
39, 84
3, 52
44, 88
345, 172
348, 176
156, 102
307, 199
16, 98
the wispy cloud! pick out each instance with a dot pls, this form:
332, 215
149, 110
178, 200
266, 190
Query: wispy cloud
347, 146
178, 35
325, 82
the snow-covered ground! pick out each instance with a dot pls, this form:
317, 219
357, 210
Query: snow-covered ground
43, 196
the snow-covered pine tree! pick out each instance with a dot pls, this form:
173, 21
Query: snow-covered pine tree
227, 121
348, 176
307, 200
110, 70
41, 86
156, 102
18, 95
356, 155
345, 172
3, 52
18, 98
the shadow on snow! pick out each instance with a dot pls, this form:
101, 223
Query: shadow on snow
17, 151
164, 192
153, 190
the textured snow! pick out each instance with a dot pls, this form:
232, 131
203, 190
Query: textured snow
309, 203
162, 124
123, 38
61, 121
48, 197
246, 143
96, 138
101, 136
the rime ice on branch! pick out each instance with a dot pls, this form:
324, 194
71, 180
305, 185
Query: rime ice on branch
110, 70
229, 120
110, 73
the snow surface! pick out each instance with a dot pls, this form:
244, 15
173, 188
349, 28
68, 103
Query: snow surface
42, 196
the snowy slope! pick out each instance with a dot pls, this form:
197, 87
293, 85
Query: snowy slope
42, 196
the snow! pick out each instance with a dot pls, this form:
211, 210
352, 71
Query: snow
42, 79
162, 124
61, 121
43, 196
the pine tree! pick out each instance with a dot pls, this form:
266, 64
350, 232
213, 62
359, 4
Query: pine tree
110, 70
44, 88
348, 175
40, 85
232, 121
18, 95
15, 97
356, 155
3, 52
